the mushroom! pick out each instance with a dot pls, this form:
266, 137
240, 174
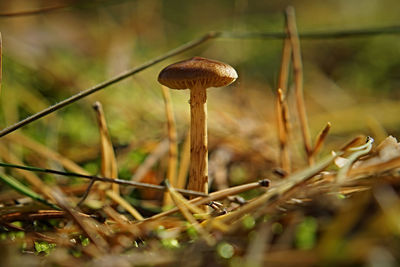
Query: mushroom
197, 74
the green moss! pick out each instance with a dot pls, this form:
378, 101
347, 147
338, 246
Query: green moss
306, 233
44, 247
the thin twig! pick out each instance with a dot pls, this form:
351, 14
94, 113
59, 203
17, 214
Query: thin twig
298, 79
394, 29
87, 191
103, 179
107, 83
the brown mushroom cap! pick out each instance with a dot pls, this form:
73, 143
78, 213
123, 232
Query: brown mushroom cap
188, 73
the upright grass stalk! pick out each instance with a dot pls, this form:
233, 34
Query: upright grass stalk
282, 114
108, 160
173, 147
298, 79
285, 63
282, 107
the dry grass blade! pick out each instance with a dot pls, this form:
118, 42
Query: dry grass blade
217, 195
198, 211
31, 216
108, 160
298, 79
35, 215
321, 138
285, 64
279, 189
281, 105
358, 152
87, 225
128, 207
283, 131
358, 140
114, 215
180, 203
173, 146
380, 167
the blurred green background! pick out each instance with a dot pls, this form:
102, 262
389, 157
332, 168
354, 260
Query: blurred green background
352, 82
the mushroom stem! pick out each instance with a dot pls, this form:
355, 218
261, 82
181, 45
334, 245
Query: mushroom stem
198, 139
